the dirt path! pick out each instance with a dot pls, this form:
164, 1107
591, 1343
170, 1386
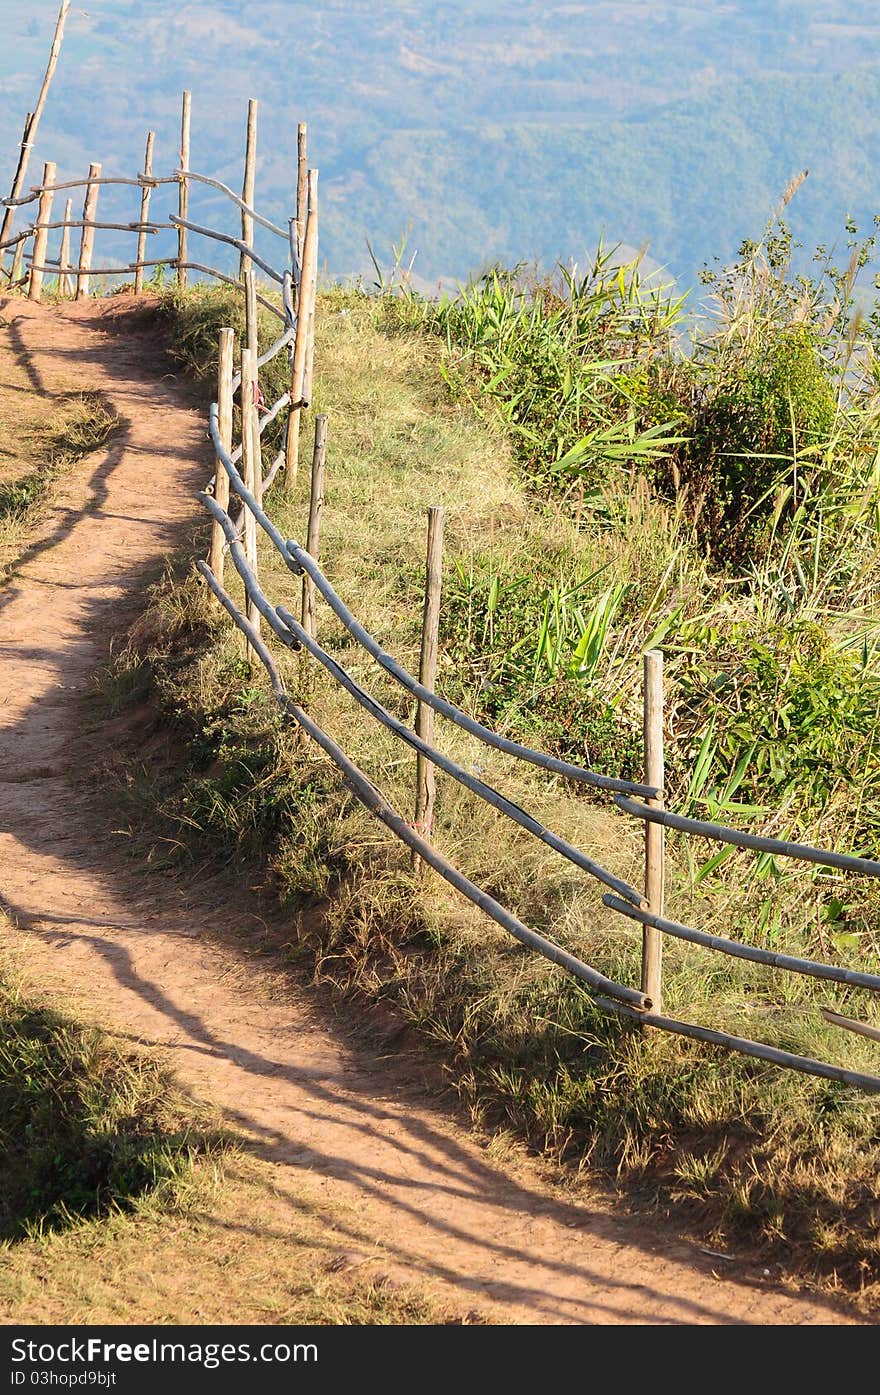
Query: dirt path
138, 951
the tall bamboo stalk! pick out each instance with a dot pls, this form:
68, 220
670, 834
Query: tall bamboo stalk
87, 242
145, 214
652, 940
41, 236
226, 363
249, 185
316, 507
302, 195
300, 352
250, 455
183, 197
426, 783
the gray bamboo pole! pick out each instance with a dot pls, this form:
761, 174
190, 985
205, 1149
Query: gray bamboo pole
145, 214
811, 968
316, 507
183, 197
41, 236
302, 195
87, 242
250, 455
131, 183
247, 188
301, 343
652, 940
65, 280
779, 847
862, 1029
225, 368
33, 120
426, 784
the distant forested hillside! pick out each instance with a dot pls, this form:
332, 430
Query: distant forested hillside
486, 129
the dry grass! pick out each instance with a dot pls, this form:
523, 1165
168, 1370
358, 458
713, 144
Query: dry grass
255, 1250
791, 1161
41, 436
219, 1237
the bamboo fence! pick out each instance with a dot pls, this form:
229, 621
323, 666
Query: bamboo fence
242, 474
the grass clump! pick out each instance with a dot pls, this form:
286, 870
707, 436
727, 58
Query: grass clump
56, 439
86, 1130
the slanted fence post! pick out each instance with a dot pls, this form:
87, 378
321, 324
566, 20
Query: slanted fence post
145, 215
302, 196
426, 784
41, 237
183, 196
10, 212
249, 185
652, 939
226, 363
65, 280
87, 242
316, 506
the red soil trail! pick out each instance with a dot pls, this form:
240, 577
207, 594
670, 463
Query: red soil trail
138, 950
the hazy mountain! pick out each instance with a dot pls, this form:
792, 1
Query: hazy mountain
486, 129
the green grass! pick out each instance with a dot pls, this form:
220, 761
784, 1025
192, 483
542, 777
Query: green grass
784, 1163
86, 1130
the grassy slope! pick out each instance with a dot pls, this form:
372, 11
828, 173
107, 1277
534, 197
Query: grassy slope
752, 1154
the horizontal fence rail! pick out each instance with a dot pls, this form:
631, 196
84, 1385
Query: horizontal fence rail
299, 561
809, 967
290, 632
719, 833
241, 471
806, 1065
361, 785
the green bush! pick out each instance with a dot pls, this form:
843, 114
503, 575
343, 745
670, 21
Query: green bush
761, 417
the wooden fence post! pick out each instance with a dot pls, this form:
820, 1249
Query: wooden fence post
145, 215
183, 197
225, 368
249, 185
302, 195
65, 280
250, 455
316, 507
652, 939
41, 236
251, 322
426, 784
87, 241
301, 343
